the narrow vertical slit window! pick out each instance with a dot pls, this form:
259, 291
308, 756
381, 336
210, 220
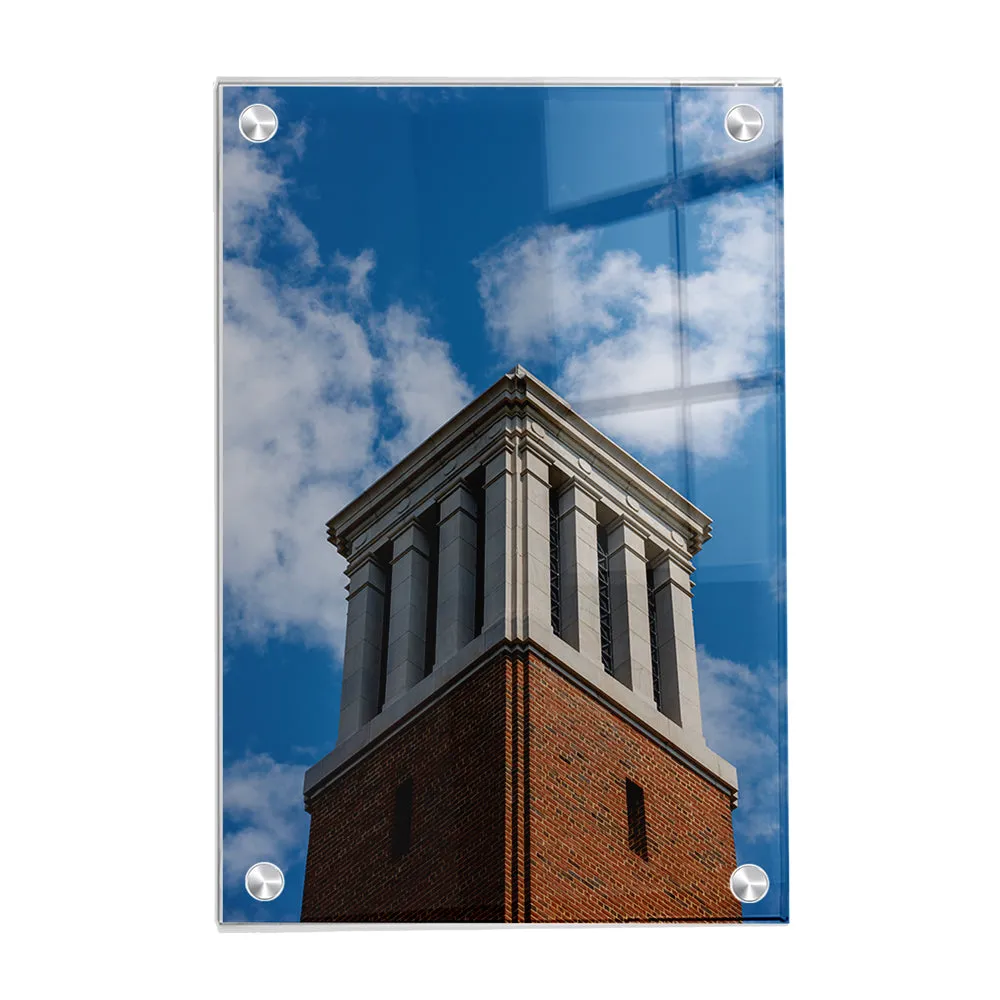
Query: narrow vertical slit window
402, 819
433, 530
383, 664
555, 581
654, 641
635, 803
604, 600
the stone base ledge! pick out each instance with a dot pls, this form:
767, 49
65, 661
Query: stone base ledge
549, 648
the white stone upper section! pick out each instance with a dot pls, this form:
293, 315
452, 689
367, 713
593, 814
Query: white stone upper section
519, 523
519, 406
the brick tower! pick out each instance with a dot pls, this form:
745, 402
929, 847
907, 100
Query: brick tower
520, 727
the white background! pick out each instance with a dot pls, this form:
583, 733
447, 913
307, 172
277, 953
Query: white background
108, 879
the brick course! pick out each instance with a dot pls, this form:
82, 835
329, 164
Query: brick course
519, 813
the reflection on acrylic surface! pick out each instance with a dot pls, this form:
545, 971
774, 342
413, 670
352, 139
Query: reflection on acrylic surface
386, 257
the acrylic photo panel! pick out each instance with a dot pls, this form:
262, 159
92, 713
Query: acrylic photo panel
501, 504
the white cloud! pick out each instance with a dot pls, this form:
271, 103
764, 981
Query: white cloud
250, 182
265, 799
296, 381
304, 358
411, 370
358, 271
610, 323
300, 238
740, 711
547, 290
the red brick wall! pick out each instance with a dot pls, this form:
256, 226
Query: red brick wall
454, 869
581, 867
519, 814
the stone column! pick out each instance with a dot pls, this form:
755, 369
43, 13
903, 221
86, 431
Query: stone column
581, 614
534, 506
363, 647
407, 611
679, 695
456, 596
499, 537
633, 661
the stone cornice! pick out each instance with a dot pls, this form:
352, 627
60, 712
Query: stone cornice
525, 403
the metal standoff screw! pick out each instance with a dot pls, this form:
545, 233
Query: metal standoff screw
264, 881
744, 123
749, 883
258, 123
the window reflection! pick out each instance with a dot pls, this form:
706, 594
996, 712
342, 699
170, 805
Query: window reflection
678, 272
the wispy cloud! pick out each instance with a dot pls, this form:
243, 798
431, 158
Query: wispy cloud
610, 323
740, 710
305, 358
358, 270
263, 799
416, 98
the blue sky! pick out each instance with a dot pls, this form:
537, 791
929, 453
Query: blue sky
387, 256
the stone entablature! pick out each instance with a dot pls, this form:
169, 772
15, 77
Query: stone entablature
519, 407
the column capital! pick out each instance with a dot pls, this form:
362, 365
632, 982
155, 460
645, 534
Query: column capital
366, 572
626, 532
409, 536
534, 462
575, 495
582, 486
459, 498
669, 567
499, 461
